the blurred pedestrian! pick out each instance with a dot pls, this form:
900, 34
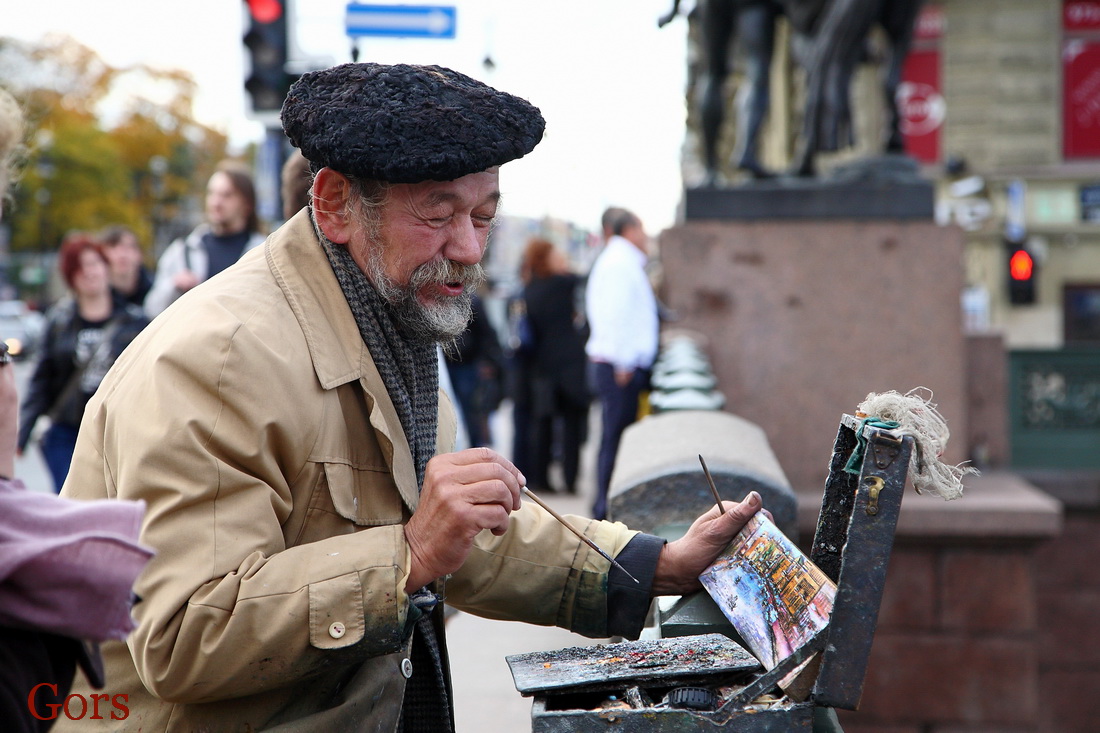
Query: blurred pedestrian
67, 568
231, 229
129, 276
518, 370
83, 335
622, 317
559, 391
295, 180
475, 364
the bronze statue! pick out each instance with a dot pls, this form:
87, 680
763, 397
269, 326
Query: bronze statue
754, 22
837, 32
831, 35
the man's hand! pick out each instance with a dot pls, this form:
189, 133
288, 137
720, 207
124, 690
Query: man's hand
681, 562
623, 376
463, 494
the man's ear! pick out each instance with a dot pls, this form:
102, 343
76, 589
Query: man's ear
331, 190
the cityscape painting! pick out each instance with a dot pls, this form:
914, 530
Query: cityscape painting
774, 596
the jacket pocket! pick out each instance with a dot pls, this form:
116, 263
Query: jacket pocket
336, 612
367, 497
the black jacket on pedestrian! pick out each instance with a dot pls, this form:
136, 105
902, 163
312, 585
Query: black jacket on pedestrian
558, 356
58, 365
144, 285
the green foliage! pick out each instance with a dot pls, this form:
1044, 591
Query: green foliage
100, 151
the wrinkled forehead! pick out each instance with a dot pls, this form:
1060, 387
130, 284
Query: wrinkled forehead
469, 191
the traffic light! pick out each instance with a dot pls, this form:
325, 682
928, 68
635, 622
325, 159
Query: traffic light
1022, 273
267, 82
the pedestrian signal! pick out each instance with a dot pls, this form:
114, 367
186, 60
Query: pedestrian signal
1021, 275
266, 80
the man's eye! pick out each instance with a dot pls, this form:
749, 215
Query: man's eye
483, 221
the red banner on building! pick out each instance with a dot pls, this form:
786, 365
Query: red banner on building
930, 24
1081, 15
1081, 99
922, 106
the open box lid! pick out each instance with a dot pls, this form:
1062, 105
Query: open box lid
852, 545
677, 661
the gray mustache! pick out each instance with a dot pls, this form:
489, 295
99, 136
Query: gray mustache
447, 271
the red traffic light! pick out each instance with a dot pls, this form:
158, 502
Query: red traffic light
265, 11
1020, 265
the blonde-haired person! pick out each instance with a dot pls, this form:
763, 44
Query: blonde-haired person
62, 585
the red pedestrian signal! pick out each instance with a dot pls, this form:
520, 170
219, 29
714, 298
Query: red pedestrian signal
267, 81
1022, 273
265, 11
1020, 265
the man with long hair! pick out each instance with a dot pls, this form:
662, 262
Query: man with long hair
231, 229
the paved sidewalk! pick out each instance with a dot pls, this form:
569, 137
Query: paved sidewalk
485, 696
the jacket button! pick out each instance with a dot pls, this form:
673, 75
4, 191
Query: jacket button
336, 630
407, 667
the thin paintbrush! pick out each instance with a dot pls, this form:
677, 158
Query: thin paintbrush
572, 529
713, 488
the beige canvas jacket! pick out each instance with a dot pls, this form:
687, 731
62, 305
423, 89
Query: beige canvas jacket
253, 422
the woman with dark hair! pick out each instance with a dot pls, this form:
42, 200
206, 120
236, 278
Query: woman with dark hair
84, 335
62, 586
128, 275
559, 394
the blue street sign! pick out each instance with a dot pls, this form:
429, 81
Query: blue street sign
1015, 211
417, 21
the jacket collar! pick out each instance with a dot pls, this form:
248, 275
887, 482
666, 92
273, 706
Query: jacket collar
298, 262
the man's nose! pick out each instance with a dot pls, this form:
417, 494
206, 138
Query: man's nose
467, 243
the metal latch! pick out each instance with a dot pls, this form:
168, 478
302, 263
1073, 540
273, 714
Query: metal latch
874, 486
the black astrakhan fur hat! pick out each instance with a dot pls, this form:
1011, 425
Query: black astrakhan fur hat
405, 124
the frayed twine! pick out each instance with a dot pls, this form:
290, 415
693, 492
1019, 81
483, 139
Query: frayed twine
916, 415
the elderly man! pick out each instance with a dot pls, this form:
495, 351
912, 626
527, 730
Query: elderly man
284, 426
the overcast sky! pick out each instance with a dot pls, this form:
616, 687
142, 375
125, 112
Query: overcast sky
608, 81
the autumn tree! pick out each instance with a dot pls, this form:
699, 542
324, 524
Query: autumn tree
106, 145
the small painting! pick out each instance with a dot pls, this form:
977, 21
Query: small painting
774, 596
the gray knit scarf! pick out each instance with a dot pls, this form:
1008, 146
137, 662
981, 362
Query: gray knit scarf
409, 367
410, 371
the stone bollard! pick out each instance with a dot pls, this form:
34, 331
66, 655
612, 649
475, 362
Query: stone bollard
683, 378
658, 485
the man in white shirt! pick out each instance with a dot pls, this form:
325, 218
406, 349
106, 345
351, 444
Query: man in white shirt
622, 316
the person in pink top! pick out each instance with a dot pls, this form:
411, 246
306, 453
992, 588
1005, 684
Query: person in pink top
66, 567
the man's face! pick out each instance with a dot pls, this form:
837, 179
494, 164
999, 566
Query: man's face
227, 211
124, 256
91, 278
635, 234
426, 263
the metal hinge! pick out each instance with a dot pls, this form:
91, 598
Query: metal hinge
885, 449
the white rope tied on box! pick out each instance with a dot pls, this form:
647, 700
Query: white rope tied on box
916, 415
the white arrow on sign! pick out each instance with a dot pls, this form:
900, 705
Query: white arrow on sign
401, 20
